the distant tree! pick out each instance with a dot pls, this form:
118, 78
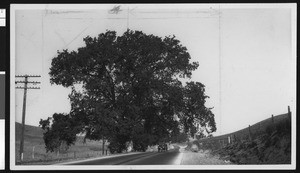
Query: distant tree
210, 135
131, 88
200, 136
60, 134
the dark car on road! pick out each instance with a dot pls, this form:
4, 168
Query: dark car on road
162, 147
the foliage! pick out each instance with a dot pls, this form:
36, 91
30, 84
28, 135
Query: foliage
118, 144
200, 136
141, 142
181, 137
131, 89
60, 133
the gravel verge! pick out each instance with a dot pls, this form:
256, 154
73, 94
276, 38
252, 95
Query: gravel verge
202, 157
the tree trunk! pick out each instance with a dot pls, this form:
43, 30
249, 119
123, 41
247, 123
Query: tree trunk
103, 142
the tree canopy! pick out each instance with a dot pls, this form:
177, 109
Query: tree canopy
61, 131
131, 89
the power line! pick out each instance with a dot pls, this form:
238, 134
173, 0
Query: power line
34, 82
28, 76
28, 88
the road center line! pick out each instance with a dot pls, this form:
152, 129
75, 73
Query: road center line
178, 159
135, 158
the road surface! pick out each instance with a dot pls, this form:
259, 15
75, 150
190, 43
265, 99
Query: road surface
170, 157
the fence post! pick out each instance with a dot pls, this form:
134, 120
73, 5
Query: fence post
234, 137
33, 152
289, 113
250, 136
229, 139
272, 118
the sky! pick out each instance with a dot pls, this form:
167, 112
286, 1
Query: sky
245, 53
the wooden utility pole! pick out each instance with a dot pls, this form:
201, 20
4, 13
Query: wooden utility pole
26, 82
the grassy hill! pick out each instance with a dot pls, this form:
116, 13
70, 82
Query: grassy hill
32, 133
266, 142
35, 152
244, 134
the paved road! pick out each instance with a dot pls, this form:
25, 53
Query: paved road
170, 157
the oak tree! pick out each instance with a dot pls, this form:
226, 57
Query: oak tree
131, 89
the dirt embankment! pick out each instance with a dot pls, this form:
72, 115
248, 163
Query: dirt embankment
272, 146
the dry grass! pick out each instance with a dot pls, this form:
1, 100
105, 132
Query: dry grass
243, 134
35, 152
201, 158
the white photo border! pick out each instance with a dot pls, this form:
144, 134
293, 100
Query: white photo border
13, 166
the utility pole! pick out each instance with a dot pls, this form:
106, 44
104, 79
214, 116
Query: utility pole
26, 82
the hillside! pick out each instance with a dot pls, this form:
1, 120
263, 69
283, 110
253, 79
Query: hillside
35, 152
273, 147
32, 133
245, 133
266, 142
